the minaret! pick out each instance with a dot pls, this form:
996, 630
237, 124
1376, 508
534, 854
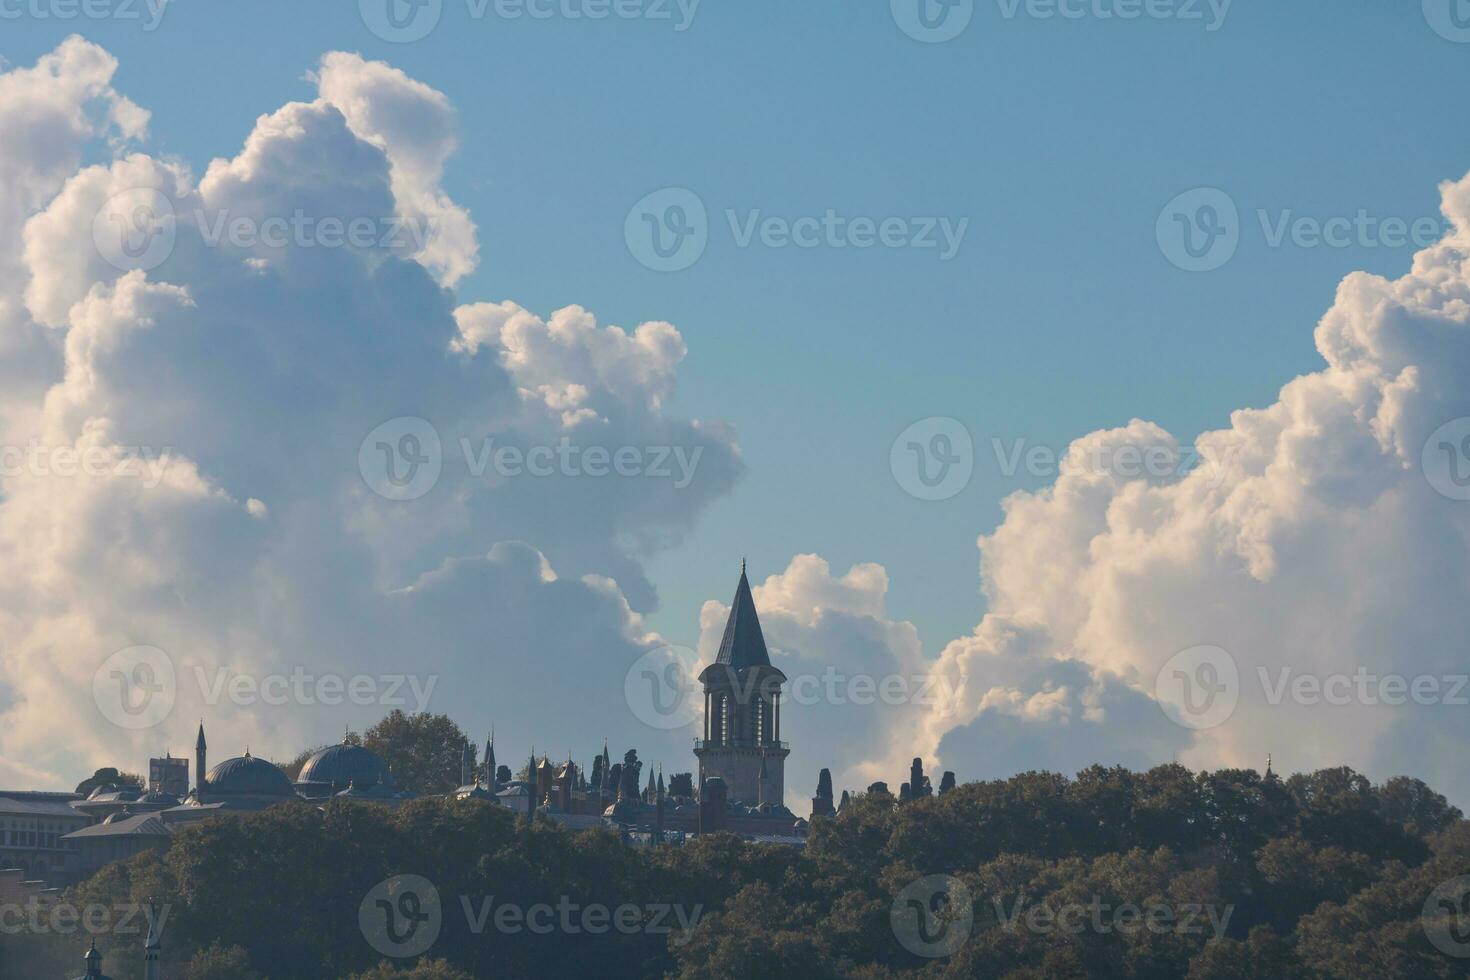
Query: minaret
742, 718
201, 752
153, 948
93, 959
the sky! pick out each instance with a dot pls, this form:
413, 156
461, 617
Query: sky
1058, 146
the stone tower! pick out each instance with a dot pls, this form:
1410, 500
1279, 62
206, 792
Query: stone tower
742, 711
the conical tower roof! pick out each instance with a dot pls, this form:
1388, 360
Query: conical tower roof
743, 645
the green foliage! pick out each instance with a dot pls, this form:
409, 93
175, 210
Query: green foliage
1222, 875
424, 751
108, 776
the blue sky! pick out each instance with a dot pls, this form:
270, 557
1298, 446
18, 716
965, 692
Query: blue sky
1066, 155
1060, 140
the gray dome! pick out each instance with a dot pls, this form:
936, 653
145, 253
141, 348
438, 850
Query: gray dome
247, 776
339, 766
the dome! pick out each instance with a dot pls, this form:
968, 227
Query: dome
339, 766
248, 776
159, 799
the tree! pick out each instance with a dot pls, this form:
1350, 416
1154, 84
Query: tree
424, 751
106, 777
216, 963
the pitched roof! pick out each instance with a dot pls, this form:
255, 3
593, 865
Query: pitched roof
139, 825
743, 645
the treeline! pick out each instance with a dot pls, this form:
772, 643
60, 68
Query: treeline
1209, 876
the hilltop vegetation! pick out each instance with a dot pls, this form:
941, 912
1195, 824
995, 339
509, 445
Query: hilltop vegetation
1320, 875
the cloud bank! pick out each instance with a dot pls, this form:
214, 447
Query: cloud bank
185, 458
187, 439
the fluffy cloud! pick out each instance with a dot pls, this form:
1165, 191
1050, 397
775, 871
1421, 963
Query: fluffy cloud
1310, 541
49, 114
187, 476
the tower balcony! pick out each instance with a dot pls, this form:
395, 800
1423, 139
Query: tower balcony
740, 743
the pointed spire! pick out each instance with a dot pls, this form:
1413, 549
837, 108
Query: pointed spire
743, 644
199, 742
